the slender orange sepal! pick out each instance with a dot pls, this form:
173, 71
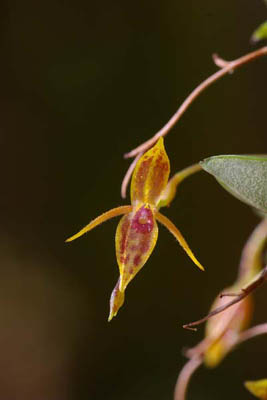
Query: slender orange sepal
102, 218
175, 231
169, 192
150, 175
136, 237
116, 301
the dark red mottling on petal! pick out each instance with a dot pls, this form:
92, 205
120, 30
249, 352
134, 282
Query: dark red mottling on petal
140, 178
143, 220
150, 176
135, 239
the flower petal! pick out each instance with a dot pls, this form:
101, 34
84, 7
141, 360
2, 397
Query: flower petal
136, 237
222, 329
116, 301
258, 388
102, 218
236, 317
177, 234
150, 175
169, 192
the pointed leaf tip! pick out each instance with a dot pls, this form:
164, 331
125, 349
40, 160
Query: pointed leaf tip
245, 177
260, 33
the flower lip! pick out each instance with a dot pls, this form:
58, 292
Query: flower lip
143, 221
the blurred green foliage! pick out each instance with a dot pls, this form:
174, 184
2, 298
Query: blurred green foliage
260, 33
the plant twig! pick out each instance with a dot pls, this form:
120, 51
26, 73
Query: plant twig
248, 270
257, 282
196, 356
251, 257
252, 332
220, 62
226, 67
184, 377
247, 335
128, 175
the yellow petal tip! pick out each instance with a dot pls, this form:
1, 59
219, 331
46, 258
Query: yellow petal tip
114, 212
177, 234
200, 267
112, 314
76, 236
258, 388
196, 262
110, 317
116, 301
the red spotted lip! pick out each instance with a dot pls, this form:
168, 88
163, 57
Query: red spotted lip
143, 221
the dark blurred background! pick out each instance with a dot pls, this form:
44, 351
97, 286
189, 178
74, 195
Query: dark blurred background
82, 82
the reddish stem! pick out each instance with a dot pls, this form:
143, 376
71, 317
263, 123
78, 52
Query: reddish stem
226, 67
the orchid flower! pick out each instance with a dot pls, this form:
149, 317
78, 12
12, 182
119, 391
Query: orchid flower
224, 331
137, 231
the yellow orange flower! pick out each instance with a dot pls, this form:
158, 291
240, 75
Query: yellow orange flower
137, 231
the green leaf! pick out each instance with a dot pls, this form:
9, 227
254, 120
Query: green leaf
260, 33
245, 177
